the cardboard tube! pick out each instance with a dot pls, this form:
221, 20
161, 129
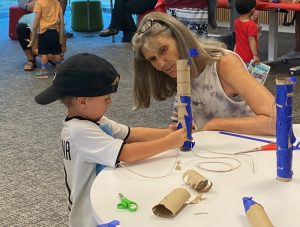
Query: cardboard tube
172, 203
184, 101
284, 127
256, 214
196, 181
183, 78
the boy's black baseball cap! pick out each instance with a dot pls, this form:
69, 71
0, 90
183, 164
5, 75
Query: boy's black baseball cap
82, 75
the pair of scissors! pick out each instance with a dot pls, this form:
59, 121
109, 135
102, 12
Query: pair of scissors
267, 147
127, 204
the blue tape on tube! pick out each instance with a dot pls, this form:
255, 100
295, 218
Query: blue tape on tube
189, 144
192, 53
113, 223
248, 202
284, 131
188, 118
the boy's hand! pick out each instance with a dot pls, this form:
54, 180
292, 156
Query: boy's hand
172, 128
177, 138
256, 60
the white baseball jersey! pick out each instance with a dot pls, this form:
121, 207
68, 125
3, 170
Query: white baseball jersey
85, 145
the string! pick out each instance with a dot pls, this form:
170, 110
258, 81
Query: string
199, 164
232, 167
152, 177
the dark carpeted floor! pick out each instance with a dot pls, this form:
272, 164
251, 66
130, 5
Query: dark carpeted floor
32, 190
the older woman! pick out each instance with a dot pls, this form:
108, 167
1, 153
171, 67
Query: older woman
225, 96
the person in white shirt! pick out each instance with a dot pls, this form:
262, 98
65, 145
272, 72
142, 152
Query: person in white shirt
90, 141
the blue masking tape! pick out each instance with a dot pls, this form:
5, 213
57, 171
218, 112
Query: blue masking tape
113, 223
248, 202
189, 144
245, 137
188, 118
293, 79
193, 52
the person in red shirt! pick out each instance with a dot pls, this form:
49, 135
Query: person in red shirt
246, 31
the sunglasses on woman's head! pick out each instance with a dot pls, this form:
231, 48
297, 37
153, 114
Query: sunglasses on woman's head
147, 25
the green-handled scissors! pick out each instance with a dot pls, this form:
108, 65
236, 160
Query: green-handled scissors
127, 204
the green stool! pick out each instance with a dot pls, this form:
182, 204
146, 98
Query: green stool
86, 15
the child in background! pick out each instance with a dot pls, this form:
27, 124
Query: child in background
50, 20
24, 29
84, 83
246, 31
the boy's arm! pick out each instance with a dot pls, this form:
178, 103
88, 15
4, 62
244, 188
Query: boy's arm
140, 134
133, 152
252, 44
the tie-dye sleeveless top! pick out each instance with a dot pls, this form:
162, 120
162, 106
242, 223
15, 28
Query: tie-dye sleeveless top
209, 99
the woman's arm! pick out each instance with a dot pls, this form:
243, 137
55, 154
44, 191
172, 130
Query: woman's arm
235, 79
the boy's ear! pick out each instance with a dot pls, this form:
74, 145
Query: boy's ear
81, 100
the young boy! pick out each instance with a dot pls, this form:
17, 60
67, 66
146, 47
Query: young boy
246, 31
49, 18
90, 141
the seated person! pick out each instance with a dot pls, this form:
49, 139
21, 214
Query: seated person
194, 14
121, 19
